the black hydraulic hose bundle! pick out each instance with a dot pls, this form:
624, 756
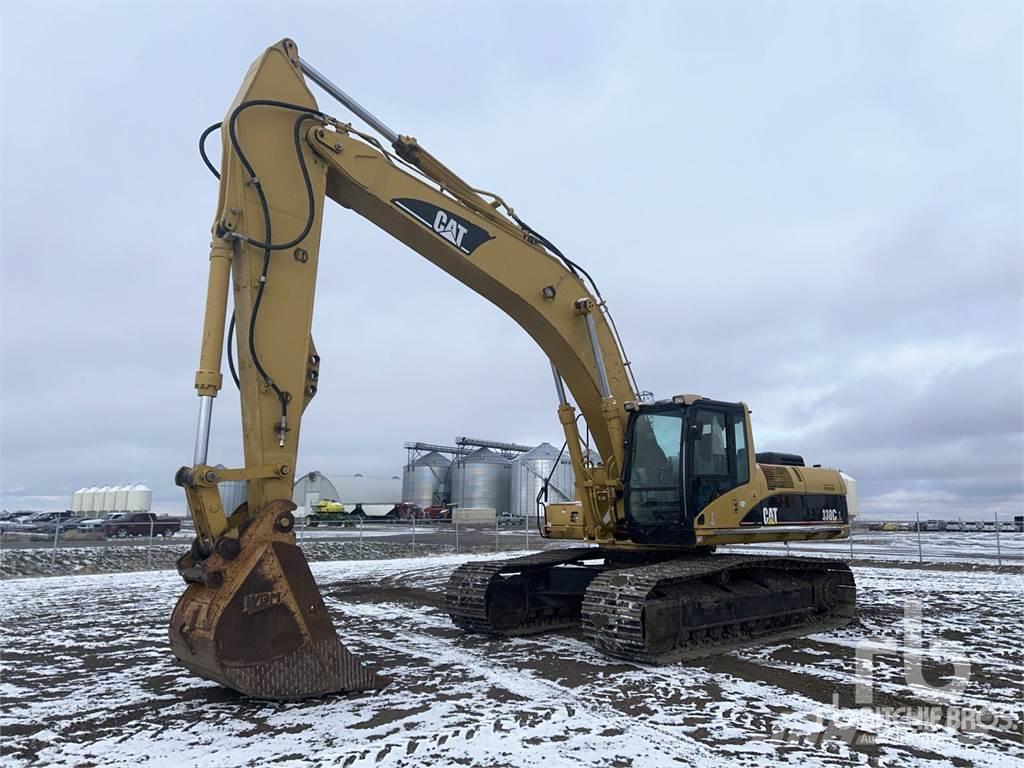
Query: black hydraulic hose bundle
543, 492
231, 353
576, 269
202, 149
268, 246
231, 325
267, 243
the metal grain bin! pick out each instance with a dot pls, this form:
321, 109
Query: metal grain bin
528, 473
423, 481
480, 480
121, 497
232, 495
77, 500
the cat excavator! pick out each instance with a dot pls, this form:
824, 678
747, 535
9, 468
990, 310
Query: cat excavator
668, 481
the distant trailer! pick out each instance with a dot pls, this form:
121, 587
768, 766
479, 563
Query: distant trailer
483, 515
377, 511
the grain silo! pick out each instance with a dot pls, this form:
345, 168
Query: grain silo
140, 498
121, 497
99, 499
232, 495
528, 473
77, 499
423, 480
89, 499
480, 480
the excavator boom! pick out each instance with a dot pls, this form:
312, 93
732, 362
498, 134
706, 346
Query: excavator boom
281, 157
252, 616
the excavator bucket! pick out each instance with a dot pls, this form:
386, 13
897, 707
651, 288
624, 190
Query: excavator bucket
253, 619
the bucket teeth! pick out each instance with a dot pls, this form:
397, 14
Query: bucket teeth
262, 628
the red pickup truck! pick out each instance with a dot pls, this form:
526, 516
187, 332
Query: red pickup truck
125, 524
407, 511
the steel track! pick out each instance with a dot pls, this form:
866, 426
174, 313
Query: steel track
614, 605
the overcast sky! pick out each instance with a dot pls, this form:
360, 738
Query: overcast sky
814, 208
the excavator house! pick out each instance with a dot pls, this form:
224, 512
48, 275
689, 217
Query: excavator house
676, 478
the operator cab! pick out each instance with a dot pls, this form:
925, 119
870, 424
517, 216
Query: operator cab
681, 454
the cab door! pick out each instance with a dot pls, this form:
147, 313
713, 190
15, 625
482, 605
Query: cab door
653, 478
716, 454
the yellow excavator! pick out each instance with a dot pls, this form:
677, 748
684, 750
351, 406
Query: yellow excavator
674, 479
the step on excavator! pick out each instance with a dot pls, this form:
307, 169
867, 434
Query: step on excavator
668, 480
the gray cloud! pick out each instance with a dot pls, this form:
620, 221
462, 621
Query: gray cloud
814, 209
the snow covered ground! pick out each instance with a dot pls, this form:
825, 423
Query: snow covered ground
88, 679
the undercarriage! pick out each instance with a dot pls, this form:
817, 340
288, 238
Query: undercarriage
655, 612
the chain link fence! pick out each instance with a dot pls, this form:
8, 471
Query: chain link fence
996, 542
61, 550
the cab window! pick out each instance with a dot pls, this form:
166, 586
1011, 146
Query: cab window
656, 443
710, 444
742, 461
654, 485
717, 462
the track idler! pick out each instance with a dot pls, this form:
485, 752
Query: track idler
252, 617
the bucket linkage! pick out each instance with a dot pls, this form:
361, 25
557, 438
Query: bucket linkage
253, 619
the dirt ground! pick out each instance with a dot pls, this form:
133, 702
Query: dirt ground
88, 679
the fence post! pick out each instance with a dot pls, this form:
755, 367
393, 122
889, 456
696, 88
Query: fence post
851, 541
999, 550
53, 553
360, 530
456, 521
149, 547
495, 530
526, 517
412, 518
920, 552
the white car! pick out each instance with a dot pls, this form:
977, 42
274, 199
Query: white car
33, 523
954, 525
92, 525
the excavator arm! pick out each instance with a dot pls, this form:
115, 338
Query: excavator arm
674, 477
281, 157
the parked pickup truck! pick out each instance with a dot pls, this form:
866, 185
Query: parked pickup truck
125, 524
